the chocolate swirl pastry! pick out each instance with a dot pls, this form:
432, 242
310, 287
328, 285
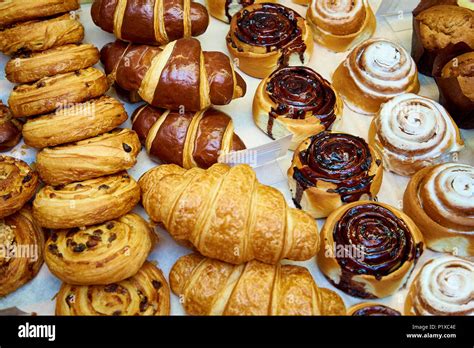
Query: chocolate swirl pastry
19, 231
10, 129
414, 132
372, 309
18, 184
374, 248
146, 293
224, 10
444, 286
332, 169
298, 101
263, 37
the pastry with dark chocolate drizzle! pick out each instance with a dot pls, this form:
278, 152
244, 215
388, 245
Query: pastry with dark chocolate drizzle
373, 309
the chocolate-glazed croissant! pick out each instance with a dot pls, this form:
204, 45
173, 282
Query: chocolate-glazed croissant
181, 76
152, 22
189, 139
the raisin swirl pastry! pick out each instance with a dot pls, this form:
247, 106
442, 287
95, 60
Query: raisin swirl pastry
263, 37
338, 25
414, 132
18, 184
372, 309
146, 293
87, 202
374, 72
332, 169
101, 254
440, 199
298, 101
105, 154
19, 231
10, 129
225, 9
444, 286
369, 249
187, 139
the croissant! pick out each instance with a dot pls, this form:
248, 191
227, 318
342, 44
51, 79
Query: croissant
210, 78
226, 214
212, 287
189, 139
10, 129
152, 22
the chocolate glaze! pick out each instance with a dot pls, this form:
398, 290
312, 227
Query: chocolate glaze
173, 18
376, 310
143, 119
139, 23
102, 12
244, 3
221, 81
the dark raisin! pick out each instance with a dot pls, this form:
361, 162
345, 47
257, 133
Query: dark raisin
78, 73
79, 248
110, 225
78, 186
54, 236
112, 237
144, 304
156, 284
52, 195
97, 232
7, 196
116, 313
58, 187
26, 178
104, 187
91, 243
111, 288
126, 147
40, 84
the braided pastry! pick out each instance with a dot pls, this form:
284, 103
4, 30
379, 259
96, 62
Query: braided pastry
189, 139
440, 200
146, 293
263, 37
152, 22
210, 78
226, 214
374, 72
212, 287
224, 10
372, 309
10, 129
414, 132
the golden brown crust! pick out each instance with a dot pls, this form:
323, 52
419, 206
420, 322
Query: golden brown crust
19, 234
18, 183
86, 203
78, 122
146, 293
104, 154
51, 93
462, 67
10, 129
100, 254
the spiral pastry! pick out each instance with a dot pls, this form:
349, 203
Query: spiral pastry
332, 169
338, 25
298, 101
440, 199
369, 249
263, 37
146, 293
22, 237
18, 183
372, 309
444, 286
100, 254
374, 72
414, 132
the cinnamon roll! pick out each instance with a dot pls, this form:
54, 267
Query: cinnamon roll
263, 37
332, 169
10, 129
146, 293
87, 202
440, 199
100, 254
297, 101
372, 309
338, 25
18, 184
414, 132
444, 286
374, 72
369, 249
224, 10
21, 250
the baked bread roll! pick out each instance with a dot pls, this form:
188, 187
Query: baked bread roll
212, 287
146, 293
369, 249
18, 183
100, 254
442, 287
187, 139
414, 132
152, 22
372, 309
10, 129
225, 9
263, 37
440, 199
51, 93
78, 122
339, 25
35, 36
226, 214
32, 67
332, 169
297, 101
374, 72
87, 202
210, 77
